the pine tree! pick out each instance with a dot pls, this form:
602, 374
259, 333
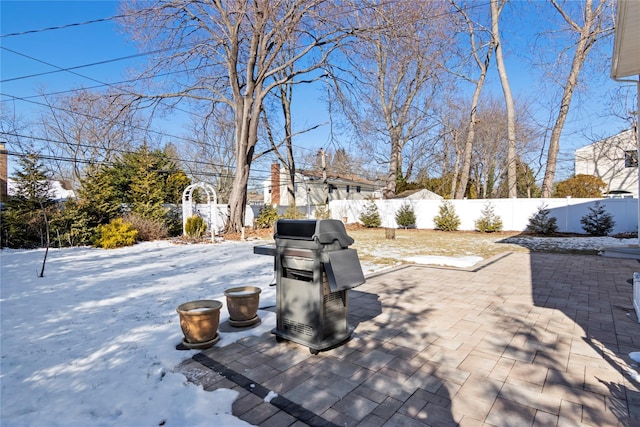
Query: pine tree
598, 222
541, 223
141, 182
406, 217
147, 184
447, 219
23, 221
370, 218
488, 222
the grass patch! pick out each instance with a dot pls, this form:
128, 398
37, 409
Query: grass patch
373, 247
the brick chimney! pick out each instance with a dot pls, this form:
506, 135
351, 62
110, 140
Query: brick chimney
275, 184
3, 173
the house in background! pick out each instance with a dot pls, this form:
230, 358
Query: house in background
615, 161
310, 188
59, 192
420, 194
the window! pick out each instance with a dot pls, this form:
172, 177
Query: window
348, 188
631, 159
358, 189
331, 188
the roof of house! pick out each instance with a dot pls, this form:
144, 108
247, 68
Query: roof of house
626, 137
345, 178
420, 194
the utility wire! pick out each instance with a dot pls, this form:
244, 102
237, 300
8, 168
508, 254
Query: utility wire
257, 179
74, 24
69, 69
131, 126
123, 151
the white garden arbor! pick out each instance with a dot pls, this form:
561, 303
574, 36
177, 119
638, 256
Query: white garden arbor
189, 208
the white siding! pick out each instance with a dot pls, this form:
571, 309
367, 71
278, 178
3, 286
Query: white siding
606, 159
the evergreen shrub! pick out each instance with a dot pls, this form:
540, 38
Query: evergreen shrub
322, 212
447, 218
195, 227
71, 224
598, 222
370, 217
406, 217
267, 216
292, 212
541, 222
116, 234
488, 222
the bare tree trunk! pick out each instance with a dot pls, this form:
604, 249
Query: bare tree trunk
496, 9
483, 66
394, 166
235, 54
456, 166
588, 34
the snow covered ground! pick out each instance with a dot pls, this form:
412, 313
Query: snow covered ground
93, 341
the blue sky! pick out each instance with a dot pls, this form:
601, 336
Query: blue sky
85, 44
69, 47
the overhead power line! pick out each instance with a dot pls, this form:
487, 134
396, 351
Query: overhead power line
77, 67
70, 25
129, 125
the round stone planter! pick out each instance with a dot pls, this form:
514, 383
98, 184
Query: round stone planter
199, 321
242, 303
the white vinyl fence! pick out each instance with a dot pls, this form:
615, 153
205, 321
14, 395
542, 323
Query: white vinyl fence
202, 209
515, 213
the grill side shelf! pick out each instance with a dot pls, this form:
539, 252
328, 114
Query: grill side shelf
265, 250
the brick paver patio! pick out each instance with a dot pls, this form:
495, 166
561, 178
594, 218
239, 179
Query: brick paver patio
523, 340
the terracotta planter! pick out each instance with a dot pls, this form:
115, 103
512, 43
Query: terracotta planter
242, 303
199, 322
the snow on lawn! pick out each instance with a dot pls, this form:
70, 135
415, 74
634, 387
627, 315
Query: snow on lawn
461, 262
564, 243
93, 341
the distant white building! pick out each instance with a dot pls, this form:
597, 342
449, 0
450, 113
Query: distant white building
310, 188
614, 160
59, 190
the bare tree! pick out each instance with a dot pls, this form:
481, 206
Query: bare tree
593, 23
208, 155
282, 145
481, 53
234, 52
496, 9
87, 128
394, 72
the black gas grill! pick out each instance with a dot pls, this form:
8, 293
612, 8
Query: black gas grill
314, 270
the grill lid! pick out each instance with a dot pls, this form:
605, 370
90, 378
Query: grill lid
323, 231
